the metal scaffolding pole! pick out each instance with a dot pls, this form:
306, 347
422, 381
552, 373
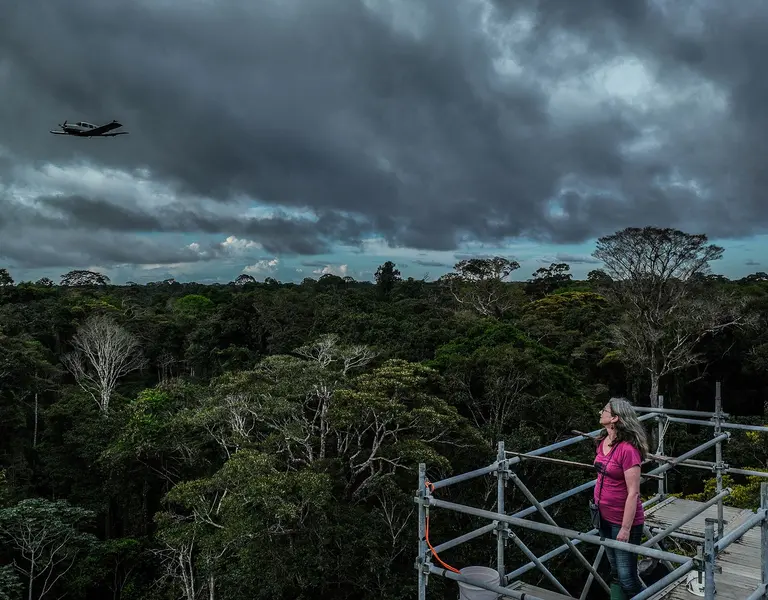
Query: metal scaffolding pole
715, 539
676, 461
568, 442
709, 465
563, 548
543, 511
422, 559
676, 411
513, 461
719, 457
683, 569
540, 565
559, 531
591, 578
760, 428
764, 540
709, 558
520, 514
661, 420
502, 527
735, 534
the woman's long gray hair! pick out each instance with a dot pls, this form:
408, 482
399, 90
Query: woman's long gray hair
628, 428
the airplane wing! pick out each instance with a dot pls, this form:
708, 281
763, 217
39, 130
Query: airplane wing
59, 132
113, 134
102, 129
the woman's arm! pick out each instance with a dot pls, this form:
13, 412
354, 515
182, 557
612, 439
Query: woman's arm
632, 478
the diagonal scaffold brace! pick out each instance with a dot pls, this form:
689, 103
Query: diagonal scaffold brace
543, 511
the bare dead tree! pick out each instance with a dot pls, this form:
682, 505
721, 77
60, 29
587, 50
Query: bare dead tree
104, 352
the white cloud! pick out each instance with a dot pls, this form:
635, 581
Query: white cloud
340, 270
237, 245
262, 266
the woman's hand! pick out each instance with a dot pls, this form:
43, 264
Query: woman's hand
623, 535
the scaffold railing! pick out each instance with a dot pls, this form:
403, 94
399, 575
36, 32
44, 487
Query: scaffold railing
503, 525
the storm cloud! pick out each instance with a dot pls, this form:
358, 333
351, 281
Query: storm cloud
431, 124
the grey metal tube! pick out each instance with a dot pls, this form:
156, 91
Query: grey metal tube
723, 425
475, 533
687, 517
677, 534
683, 569
647, 531
554, 499
719, 457
540, 565
520, 514
675, 461
568, 442
559, 531
660, 443
422, 534
465, 476
710, 466
758, 593
735, 534
676, 411
564, 548
532, 499
501, 533
491, 588
480, 531
545, 557
764, 539
747, 472
709, 558
591, 578
513, 461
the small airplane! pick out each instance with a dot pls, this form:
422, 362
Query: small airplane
84, 129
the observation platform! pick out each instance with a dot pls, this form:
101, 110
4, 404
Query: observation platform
731, 544
738, 567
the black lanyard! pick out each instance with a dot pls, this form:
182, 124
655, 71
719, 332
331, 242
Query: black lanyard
604, 472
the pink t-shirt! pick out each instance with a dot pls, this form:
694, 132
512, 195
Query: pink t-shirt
614, 494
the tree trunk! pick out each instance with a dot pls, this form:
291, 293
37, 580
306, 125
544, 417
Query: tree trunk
654, 395
31, 578
34, 435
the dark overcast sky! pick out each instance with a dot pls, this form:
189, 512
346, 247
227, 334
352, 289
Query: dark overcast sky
294, 137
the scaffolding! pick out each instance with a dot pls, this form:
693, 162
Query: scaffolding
715, 539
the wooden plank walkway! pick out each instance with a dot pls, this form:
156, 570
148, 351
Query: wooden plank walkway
537, 591
740, 562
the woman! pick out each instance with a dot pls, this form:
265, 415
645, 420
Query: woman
621, 450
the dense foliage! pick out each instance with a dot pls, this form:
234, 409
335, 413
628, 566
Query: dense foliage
260, 440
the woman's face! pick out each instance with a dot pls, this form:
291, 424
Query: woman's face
606, 416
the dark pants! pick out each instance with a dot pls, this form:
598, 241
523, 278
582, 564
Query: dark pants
623, 564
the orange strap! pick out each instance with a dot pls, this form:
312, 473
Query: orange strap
431, 488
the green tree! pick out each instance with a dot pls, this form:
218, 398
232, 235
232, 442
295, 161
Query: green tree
655, 278
387, 276
80, 277
548, 279
478, 283
47, 538
5, 278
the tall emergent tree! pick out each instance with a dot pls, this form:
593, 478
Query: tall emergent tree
657, 276
387, 276
479, 284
